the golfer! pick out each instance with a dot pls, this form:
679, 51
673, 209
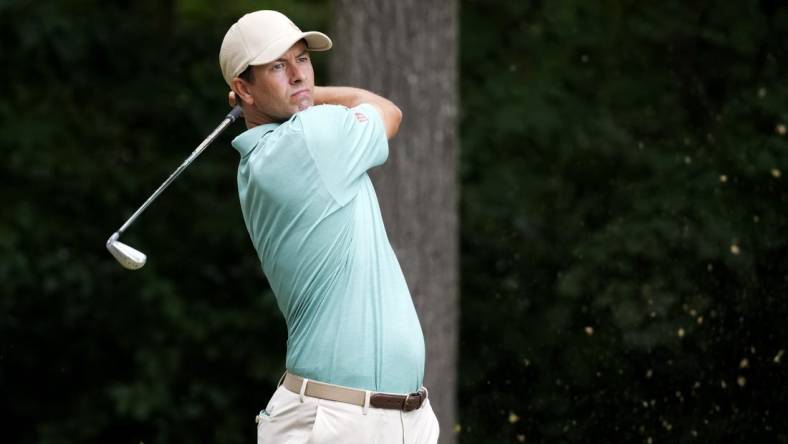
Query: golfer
355, 349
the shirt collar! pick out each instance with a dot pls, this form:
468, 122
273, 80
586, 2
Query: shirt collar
247, 140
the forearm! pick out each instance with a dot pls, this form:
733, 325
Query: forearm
350, 97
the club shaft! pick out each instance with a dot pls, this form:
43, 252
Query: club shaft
197, 151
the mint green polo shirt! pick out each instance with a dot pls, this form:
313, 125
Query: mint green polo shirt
313, 217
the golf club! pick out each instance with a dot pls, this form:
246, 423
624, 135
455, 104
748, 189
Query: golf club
132, 258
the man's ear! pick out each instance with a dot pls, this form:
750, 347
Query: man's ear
242, 91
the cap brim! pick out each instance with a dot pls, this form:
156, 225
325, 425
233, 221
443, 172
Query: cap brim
315, 41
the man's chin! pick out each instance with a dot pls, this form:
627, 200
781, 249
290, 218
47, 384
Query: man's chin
305, 103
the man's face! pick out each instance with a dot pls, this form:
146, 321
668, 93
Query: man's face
285, 86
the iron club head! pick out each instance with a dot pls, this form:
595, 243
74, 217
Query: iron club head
130, 258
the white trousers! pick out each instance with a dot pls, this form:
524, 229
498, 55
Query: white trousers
289, 419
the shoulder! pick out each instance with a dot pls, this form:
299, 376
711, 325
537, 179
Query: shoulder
320, 113
337, 118
358, 113
321, 124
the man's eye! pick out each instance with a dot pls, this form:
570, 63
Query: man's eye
278, 66
303, 59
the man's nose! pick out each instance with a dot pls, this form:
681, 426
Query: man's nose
296, 74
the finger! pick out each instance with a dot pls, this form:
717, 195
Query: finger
231, 99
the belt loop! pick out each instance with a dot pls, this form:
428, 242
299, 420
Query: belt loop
405, 403
426, 393
282, 379
303, 389
367, 395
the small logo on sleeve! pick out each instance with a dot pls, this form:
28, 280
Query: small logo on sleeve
361, 117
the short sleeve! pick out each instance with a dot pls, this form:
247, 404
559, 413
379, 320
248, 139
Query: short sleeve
345, 143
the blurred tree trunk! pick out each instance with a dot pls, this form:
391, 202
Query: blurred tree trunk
407, 51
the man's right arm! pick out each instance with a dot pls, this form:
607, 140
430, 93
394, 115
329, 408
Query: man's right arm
352, 97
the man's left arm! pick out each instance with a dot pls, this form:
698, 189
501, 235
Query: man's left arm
350, 97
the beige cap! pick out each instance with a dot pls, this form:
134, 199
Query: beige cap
261, 37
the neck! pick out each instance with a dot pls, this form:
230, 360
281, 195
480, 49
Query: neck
255, 120
255, 117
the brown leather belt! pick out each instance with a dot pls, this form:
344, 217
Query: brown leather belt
349, 395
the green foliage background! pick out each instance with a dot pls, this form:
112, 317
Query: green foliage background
624, 214
624, 252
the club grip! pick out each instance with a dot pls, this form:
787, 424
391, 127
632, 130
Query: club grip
234, 114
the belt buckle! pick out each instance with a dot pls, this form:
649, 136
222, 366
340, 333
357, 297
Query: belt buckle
417, 399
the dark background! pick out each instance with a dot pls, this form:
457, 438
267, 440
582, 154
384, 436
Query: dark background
624, 250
